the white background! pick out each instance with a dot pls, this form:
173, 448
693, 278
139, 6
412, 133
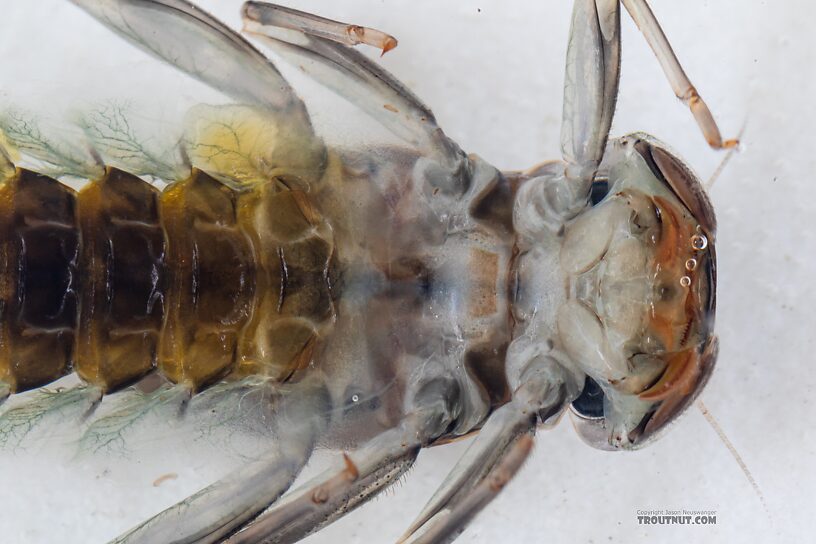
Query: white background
492, 72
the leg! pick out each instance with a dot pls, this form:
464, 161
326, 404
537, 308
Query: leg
354, 77
283, 17
363, 474
495, 455
193, 41
225, 506
451, 526
685, 91
562, 190
218, 510
590, 85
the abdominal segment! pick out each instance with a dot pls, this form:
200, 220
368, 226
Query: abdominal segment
39, 258
199, 281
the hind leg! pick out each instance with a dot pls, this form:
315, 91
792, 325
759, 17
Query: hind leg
223, 507
188, 38
303, 40
272, 15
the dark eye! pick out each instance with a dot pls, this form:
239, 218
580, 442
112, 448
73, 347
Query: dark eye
590, 402
599, 190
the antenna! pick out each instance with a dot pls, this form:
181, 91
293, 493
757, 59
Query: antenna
737, 457
730, 153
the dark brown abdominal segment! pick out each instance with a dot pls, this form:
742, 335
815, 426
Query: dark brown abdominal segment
38, 280
123, 280
199, 281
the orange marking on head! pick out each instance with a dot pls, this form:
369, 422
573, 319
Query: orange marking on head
667, 408
678, 379
661, 327
667, 248
671, 320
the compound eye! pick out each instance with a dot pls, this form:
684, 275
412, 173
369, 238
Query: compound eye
590, 403
598, 191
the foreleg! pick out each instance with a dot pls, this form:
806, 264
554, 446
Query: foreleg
680, 83
495, 455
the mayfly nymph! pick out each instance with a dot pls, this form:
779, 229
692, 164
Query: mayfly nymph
411, 293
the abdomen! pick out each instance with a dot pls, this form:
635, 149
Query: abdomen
197, 282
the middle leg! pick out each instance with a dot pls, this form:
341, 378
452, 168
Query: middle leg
363, 473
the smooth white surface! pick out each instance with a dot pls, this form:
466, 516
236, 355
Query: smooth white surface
492, 72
